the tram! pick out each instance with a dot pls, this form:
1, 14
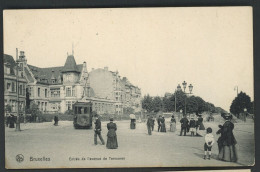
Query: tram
82, 114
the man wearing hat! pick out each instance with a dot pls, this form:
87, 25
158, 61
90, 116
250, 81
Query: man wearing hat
192, 126
184, 124
98, 131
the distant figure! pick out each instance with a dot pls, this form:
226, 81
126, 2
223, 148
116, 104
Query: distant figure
200, 126
153, 120
7, 120
172, 124
227, 142
159, 121
163, 127
111, 135
132, 123
192, 126
12, 121
209, 141
56, 120
98, 131
184, 124
149, 124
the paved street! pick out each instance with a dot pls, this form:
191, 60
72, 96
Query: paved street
66, 147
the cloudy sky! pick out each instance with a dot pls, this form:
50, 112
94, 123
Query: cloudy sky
156, 48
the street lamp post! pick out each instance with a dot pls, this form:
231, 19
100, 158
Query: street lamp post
17, 127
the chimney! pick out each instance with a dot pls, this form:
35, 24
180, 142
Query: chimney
16, 54
106, 68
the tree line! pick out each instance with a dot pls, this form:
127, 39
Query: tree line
241, 103
167, 103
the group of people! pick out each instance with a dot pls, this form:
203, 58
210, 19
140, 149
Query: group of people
10, 121
111, 134
195, 127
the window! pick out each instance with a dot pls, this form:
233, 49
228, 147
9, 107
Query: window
46, 93
13, 87
68, 105
73, 92
68, 91
20, 89
39, 92
55, 92
8, 87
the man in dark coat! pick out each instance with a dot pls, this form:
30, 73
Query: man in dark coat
98, 131
56, 120
184, 124
149, 124
159, 121
153, 123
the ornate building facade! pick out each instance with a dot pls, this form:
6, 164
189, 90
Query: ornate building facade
56, 89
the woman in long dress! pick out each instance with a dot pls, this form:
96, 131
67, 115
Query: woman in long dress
200, 126
227, 141
172, 124
163, 129
111, 135
132, 123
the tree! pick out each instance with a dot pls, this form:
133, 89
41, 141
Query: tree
168, 104
34, 111
157, 104
240, 102
147, 103
128, 110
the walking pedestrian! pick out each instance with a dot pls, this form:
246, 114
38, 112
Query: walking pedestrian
159, 121
56, 120
163, 127
209, 141
132, 123
184, 124
149, 124
227, 142
153, 120
111, 135
97, 131
12, 121
172, 124
200, 126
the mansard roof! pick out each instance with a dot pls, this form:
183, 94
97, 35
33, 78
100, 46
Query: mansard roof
45, 74
70, 65
10, 60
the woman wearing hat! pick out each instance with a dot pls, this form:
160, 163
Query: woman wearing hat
172, 124
200, 126
111, 135
227, 141
163, 127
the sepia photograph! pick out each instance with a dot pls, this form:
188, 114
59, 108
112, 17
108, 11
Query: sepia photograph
128, 87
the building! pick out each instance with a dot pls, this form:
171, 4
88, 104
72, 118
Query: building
56, 89
14, 82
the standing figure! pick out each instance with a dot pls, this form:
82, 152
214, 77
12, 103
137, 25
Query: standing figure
153, 120
132, 123
227, 150
184, 124
163, 127
172, 124
192, 126
98, 131
209, 141
111, 135
7, 120
56, 120
200, 125
12, 121
149, 124
159, 121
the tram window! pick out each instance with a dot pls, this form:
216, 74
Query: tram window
85, 110
79, 110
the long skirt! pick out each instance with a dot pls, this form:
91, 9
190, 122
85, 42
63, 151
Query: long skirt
172, 127
112, 142
132, 125
163, 129
228, 153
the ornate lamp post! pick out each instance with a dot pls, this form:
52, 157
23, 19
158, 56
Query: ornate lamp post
184, 84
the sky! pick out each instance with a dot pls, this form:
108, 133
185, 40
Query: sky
155, 48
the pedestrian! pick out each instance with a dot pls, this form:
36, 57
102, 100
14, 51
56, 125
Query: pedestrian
12, 121
159, 120
227, 143
111, 135
149, 124
172, 124
184, 124
200, 126
209, 141
97, 131
7, 120
56, 120
192, 126
163, 127
132, 123
153, 120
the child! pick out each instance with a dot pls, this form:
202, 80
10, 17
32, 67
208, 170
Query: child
209, 141
192, 126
